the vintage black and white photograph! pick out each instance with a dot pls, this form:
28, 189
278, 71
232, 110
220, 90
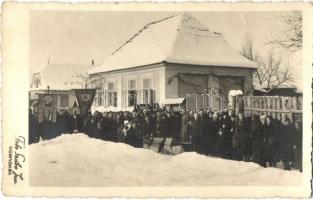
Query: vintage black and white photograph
165, 98
151, 98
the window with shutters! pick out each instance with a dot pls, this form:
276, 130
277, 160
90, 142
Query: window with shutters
111, 95
131, 93
99, 99
147, 91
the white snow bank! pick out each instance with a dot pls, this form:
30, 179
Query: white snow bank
77, 160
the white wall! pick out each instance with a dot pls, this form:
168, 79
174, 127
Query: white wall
155, 72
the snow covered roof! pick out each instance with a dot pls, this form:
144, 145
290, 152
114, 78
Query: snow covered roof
176, 39
59, 76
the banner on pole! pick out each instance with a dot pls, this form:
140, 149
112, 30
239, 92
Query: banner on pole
85, 98
47, 107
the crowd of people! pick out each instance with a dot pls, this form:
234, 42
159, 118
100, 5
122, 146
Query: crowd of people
260, 139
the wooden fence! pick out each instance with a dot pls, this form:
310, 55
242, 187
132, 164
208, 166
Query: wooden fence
278, 107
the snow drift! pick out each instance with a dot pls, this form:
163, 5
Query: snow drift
77, 160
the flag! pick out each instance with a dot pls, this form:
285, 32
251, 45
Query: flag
85, 98
47, 107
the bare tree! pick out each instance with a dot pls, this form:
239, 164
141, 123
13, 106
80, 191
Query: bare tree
274, 72
271, 71
291, 37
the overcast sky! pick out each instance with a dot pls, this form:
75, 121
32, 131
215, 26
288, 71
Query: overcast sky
79, 36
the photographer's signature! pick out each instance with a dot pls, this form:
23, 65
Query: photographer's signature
16, 159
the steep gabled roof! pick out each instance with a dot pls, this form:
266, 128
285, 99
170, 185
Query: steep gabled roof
176, 39
60, 76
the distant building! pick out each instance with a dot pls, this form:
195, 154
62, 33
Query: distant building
287, 90
174, 60
58, 79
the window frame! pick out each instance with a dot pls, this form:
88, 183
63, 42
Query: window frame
146, 76
110, 95
129, 90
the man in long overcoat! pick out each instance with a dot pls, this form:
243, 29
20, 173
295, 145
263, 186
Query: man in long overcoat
269, 132
196, 131
258, 140
242, 135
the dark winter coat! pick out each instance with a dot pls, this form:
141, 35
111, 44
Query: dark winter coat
131, 137
147, 129
269, 133
258, 139
62, 124
241, 135
183, 130
33, 129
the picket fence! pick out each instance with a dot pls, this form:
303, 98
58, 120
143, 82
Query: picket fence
279, 107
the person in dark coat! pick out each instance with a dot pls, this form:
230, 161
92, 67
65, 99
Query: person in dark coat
132, 135
162, 127
213, 134
297, 154
258, 140
158, 125
232, 130
61, 123
98, 131
190, 120
33, 128
196, 131
85, 120
90, 126
147, 128
135, 130
176, 120
120, 118
169, 125
278, 133
77, 122
269, 132
226, 137
242, 135
184, 123
248, 123
285, 143
204, 135
69, 122
110, 128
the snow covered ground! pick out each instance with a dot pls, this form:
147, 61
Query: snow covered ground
77, 160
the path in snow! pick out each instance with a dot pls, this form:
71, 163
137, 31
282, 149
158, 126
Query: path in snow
77, 160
